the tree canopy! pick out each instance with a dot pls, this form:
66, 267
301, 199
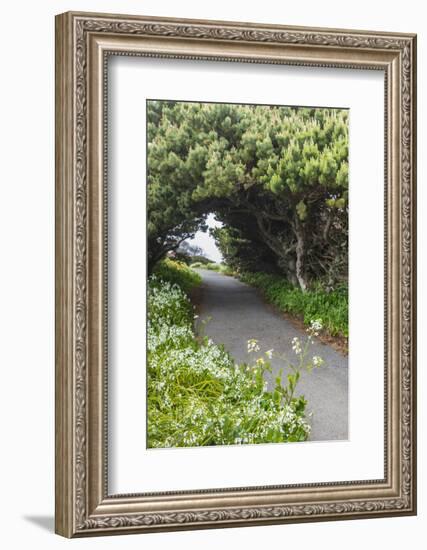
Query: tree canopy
276, 176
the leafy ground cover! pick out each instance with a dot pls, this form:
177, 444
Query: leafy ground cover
331, 307
178, 273
197, 395
212, 266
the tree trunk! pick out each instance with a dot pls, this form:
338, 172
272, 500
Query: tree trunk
290, 259
287, 266
300, 253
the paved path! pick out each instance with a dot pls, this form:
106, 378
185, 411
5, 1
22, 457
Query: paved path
239, 313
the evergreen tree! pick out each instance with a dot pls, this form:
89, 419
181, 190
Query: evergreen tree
280, 173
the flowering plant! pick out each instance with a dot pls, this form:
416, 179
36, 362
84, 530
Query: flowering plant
197, 395
286, 392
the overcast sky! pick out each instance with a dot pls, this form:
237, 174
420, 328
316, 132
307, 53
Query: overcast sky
207, 242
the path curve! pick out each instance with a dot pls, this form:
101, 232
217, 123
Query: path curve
239, 313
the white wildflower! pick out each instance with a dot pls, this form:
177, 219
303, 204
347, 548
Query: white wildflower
315, 326
253, 345
317, 361
296, 345
170, 344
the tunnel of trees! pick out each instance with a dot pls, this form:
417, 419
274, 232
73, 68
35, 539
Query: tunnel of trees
277, 177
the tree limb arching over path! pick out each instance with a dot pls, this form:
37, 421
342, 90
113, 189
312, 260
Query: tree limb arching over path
238, 313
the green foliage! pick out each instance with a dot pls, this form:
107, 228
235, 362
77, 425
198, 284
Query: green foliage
226, 270
301, 209
197, 395
212, 266
241, 247
178, 273
331, 307
200, 260
284, 169
220, 268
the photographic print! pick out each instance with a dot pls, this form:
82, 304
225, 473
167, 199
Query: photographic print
247, 239
224, 266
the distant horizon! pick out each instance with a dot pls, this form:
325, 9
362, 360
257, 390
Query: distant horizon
206, 242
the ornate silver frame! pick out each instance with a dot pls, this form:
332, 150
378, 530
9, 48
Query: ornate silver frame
83, 42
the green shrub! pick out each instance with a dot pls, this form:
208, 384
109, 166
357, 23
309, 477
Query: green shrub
213, 266
200, 259
197, 395
331, 307
179, 273
226, 270
220, 268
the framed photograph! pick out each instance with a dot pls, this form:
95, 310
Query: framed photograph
235, 274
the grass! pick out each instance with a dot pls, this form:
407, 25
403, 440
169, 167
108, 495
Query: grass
198, 265
330, 307
212, 266
197, 395
178, 273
